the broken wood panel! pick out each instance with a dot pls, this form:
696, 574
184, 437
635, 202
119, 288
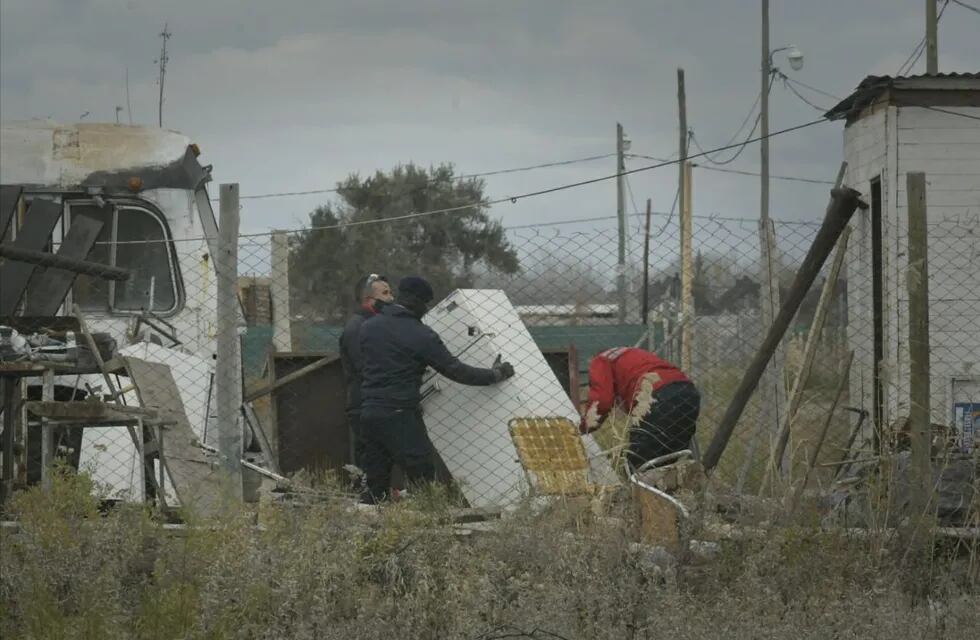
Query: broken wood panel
9, 196
49, 286
35, 233
197, 482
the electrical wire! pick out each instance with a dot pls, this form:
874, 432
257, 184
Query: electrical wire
484, 174
511, 199
920, 48
744, 145
952, 113
810, 87
791, 89
708, 167
969, 7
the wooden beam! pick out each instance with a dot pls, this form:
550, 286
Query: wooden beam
810, 350
59, 261
815, 452
86, 410
292, 377
843, 203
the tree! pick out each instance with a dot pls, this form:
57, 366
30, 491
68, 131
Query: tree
347, 240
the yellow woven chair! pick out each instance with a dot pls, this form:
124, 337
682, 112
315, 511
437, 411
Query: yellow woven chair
551, 452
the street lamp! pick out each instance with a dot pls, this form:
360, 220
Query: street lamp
794, 55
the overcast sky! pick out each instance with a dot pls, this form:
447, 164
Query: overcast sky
296, 94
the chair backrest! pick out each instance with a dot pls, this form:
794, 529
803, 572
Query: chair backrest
551, 451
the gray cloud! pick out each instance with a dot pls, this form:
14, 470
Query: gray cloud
295, 95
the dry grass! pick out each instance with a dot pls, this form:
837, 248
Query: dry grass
325, 572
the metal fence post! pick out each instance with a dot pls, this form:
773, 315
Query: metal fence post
228, 368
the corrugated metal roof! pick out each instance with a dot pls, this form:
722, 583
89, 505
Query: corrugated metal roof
873, 86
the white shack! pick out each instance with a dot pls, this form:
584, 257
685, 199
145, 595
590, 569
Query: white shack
894, 126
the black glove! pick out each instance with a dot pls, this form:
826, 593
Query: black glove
502, 370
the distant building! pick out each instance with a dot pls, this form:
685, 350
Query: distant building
894, 126
256, 297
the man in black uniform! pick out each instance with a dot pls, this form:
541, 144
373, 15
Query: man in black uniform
396, 349
372, 293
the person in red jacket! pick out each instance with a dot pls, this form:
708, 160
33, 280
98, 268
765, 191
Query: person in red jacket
669, 417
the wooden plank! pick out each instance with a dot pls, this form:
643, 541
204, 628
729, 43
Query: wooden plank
35, 233
50, 286
9, 195
87, 410
198, 483
292, 377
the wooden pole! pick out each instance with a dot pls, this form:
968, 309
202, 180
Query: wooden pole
919, 387
815, 452
621, 220
810, 349
687, 276
646, 270
932, 38
227, 379
842, 205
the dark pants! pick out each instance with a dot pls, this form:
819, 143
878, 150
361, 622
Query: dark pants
669, 425
390, 437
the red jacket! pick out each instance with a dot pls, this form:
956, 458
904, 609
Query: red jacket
617, 374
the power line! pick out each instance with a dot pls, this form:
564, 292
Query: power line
484, 174
952, 113
969, 7
791, 89
511, 199
549, 190
744, 145
753, 173
810, 87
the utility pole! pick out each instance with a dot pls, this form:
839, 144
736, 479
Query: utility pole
164, 35
683, 197
621, 216
129, 106
764, 116
645, 307
932, 38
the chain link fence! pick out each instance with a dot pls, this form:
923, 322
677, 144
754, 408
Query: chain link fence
546, 298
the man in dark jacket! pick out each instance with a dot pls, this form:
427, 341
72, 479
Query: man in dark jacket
660, 397
372, 293
396, 349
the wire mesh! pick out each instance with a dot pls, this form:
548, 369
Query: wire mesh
543, 297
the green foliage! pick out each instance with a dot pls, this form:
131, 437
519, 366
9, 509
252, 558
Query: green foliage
444, 248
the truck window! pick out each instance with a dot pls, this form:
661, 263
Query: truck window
132, 238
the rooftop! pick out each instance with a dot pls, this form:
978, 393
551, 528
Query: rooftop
943, 89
